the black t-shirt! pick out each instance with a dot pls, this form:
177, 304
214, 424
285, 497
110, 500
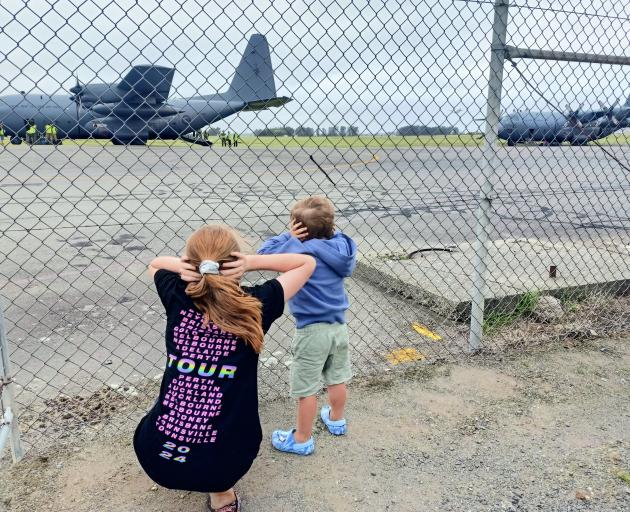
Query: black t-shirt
203, 433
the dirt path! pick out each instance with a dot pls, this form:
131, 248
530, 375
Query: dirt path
546, 431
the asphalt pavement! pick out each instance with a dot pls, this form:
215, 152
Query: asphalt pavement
80, 224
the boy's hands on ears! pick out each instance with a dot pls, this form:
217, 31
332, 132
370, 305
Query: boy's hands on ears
237, 268
297, 230
187, 271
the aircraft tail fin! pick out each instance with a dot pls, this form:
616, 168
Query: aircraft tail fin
253, 80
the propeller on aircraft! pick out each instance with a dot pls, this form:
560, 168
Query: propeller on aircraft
77, 91
572, 115
610, 111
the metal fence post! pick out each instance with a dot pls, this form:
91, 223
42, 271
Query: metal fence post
7, 396
488, 166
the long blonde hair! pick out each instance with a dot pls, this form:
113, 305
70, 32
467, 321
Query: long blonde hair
220, 299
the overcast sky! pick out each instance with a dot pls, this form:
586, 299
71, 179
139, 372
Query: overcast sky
378, 65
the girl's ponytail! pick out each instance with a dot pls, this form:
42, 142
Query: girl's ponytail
220, 299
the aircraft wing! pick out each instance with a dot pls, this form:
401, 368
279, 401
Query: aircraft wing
265, 104
147, 84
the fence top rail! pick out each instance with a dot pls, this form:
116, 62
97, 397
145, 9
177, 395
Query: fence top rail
513, 52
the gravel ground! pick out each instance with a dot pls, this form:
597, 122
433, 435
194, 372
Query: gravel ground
545, 431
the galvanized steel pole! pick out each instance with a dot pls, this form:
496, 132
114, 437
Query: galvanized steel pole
7, 396
489, 165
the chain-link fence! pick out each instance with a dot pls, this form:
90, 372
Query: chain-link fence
128, 125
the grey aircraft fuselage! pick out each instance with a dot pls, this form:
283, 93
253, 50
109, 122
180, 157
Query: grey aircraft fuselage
555, 127
137, 108
77, 122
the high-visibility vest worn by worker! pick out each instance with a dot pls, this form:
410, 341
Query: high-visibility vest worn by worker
1, 131
48, 129
32, 130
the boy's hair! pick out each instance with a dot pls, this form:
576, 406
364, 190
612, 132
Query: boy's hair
317, 215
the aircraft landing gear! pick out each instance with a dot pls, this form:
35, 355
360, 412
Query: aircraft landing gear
16, 140
196, 140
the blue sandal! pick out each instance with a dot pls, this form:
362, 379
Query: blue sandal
337, 427
284, 441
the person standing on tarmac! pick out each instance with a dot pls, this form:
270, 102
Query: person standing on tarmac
54, 133
222, 137
31, 133
229, 139
1, 133
48, 134
235, 139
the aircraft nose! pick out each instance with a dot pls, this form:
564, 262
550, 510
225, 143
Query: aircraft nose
506, 127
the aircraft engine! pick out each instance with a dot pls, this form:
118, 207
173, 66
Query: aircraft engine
91, 94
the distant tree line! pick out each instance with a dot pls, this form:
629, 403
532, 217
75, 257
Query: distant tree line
307, 131
415, 130
279, 131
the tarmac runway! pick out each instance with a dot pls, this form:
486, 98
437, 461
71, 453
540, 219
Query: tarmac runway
79, 225
382, 195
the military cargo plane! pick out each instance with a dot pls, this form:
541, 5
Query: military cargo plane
576, 127
137, 108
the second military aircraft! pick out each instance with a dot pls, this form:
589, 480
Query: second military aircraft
577, 127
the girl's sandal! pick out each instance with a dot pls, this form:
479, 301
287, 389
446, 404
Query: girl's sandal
235, 506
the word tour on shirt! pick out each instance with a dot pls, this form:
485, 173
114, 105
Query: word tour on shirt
193, 397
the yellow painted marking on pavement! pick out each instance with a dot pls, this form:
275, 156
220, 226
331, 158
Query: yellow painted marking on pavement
421, 329
405, 355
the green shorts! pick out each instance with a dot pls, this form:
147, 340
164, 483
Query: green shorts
319, 351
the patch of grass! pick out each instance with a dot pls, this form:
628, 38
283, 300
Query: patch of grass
524, 307
355, 142
571, 300
570, 306
581, 370
362, 141
624, 475
616, 139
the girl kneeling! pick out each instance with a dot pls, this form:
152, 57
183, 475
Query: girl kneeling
203, 433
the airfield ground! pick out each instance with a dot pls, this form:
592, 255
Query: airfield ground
538, 432
355, 142
80, 222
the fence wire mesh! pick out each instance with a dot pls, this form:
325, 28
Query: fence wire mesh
386, 119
